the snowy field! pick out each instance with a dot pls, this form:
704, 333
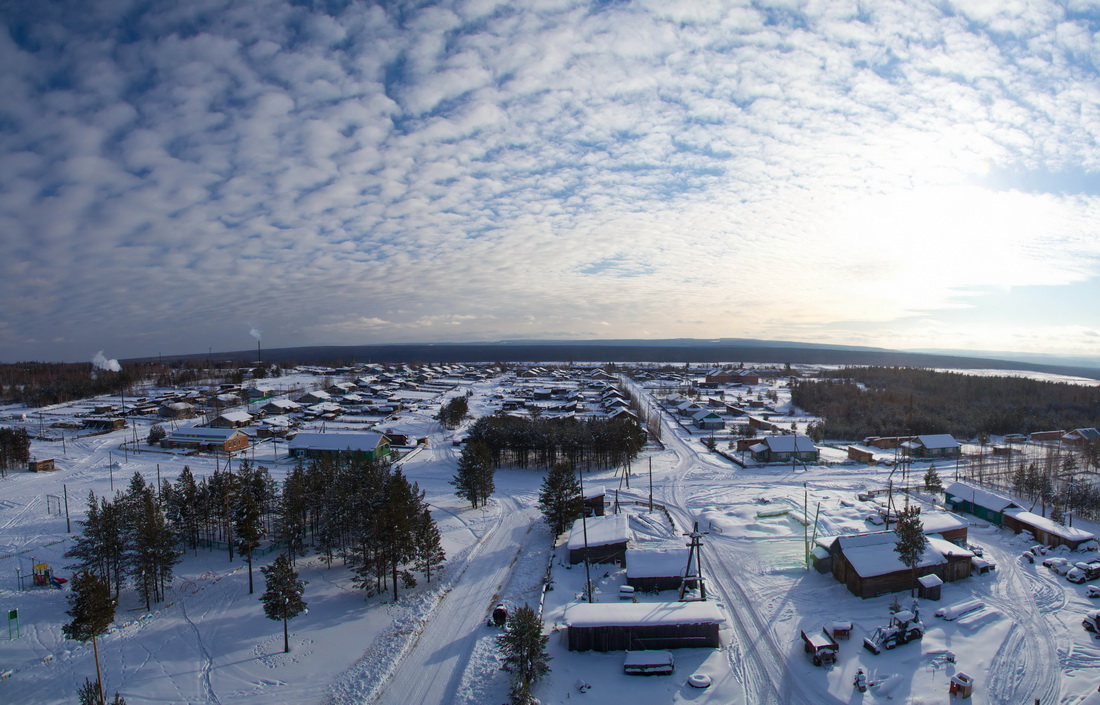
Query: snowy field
210, 643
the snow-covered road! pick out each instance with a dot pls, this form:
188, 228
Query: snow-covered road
431, 671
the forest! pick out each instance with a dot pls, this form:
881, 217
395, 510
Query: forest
364, 512
857, 402
542, 442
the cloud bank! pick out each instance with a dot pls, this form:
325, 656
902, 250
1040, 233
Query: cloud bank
346, 173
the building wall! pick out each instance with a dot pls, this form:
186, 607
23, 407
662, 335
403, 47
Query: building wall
643, 637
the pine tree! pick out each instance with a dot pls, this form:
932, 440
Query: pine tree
911, 540
248, 529
932, 482
290, 526
523, 646
560, 497
283, 596
92, 611
152, 548
429, 549
474, 479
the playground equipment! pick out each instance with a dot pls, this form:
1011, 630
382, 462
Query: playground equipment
43, 577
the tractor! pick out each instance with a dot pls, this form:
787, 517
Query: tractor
904, 627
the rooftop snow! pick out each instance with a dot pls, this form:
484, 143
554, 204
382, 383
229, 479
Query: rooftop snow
602, 531
614, 614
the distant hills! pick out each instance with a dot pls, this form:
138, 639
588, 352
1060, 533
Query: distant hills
672, 350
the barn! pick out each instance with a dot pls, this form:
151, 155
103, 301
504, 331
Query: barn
607, 539
636, 626
652, 569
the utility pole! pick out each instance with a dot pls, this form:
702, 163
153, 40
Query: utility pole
651, 483
695, 552
68, 526
584, 530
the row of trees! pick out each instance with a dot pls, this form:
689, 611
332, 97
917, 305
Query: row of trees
128, 538
545, 441
885, 401
15, 449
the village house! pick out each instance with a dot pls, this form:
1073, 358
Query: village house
375, 446
982, 503
868, 565
708, 421
280, 406
776, 449
1081, 437
225, 440
232, 419
938, 445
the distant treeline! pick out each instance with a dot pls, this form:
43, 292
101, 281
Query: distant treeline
857, 402
42, 383
544, 442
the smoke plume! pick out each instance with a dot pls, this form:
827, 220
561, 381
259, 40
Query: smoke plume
100, 362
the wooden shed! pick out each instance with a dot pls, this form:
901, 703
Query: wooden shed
606, 537
43, 465
655, 569
1044, 530
635, 626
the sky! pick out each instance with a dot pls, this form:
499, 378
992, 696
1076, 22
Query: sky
176, 177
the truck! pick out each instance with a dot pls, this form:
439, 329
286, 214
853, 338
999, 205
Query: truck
822, 648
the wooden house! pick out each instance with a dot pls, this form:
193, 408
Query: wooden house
982, 503
375, 446
202, 438
776, 449
935, 445
868, 565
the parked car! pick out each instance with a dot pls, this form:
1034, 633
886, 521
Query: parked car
1063, 569
1093, 591
875, 519
1084, 572
1091, 622
1038, 550
1055, 561
1028, 556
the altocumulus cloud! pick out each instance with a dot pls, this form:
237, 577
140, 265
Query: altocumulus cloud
345, 173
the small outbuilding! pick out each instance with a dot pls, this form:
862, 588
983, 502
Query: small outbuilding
1045, 531
655, 569
606, 537
43, 465
636, 626
928, 586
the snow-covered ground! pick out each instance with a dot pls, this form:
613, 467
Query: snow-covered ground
210, 643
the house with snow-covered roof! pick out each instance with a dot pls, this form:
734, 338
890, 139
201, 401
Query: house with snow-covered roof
1046, 531
982, 503
935, 445
375, 446
868, 565
1081, 437
776, 449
